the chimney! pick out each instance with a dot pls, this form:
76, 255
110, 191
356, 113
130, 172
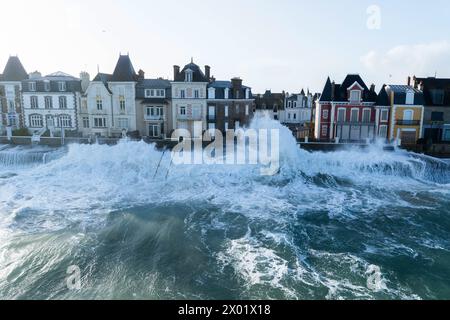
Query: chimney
176, 72
85, 80
409, 81
141, 74
208, 72
372, 88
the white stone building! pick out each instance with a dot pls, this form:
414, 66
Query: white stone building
51, 102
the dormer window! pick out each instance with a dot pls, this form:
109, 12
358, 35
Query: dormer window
32, 86
188, 76
155, 93
47, 86
355, 96
211, 93
227, 93
62, 86
409, 97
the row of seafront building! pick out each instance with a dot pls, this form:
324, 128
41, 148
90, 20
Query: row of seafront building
127, 102
123, 102
353, 112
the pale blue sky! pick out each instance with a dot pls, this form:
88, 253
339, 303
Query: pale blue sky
279, 44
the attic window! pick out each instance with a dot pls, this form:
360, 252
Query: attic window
32, 86
188, 76
410, 97
355, 96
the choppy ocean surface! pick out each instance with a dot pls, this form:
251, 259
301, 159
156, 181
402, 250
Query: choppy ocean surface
345, 225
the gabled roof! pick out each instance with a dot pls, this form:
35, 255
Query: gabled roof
124, 70
14, 70
339, 92
197, 73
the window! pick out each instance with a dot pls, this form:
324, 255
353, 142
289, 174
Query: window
183, 94
153, 130
100, 122
188, 76
295, 116
99, 104
383, 131
237, 125
342, 115
408, 115
238, 109
409, 98
355, 95
247, 110
36, 121
48, 103
289, 104
226, 126
324, 131
289, 116
85, 122
355, 115
247, 93
122, 123
227, 93
437, 116
47, 86
62, 86
384, 115
183, 111
32, 86
211, 93
122, 104
211, 126
226, 111
12, 120
64, 121
212, 112
196, 94
11, 106
325, 114
34, 103
437, 96
155, 112
62, 102
366, 115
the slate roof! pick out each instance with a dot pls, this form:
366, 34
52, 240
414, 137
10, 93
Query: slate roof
124, 70
197, 76
73, 84
400, 92
153, 84
430, 84
14, 70
340, 94
221, 85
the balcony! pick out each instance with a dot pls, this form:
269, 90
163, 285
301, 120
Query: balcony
190, 117
408, 122
153, 118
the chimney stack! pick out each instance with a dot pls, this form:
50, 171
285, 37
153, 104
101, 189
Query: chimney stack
85, 80
372, 88
333, 89
141, 74
176, 72
409, 81
208, 72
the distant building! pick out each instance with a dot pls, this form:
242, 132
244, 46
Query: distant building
153, 106
189, 94
51, 102
405, 114
297, 113
230, 105
270, 103
10, 94
346, 111
436, 93
383, 114
110, 107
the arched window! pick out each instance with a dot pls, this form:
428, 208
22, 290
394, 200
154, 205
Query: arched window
36, 121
